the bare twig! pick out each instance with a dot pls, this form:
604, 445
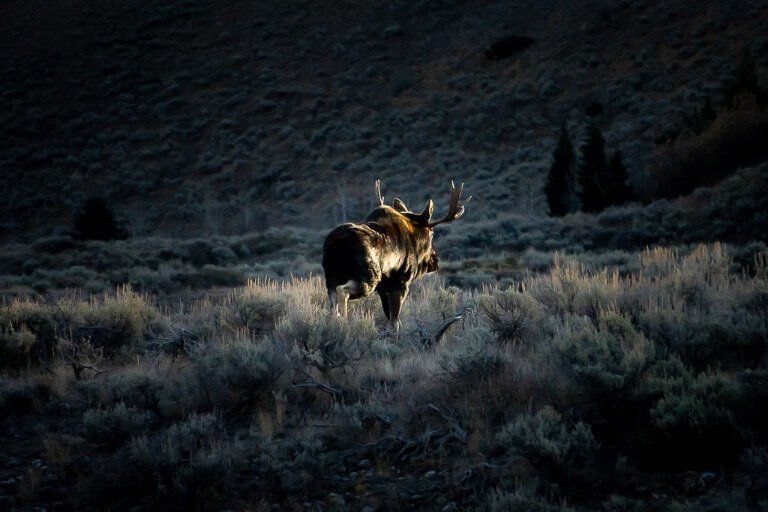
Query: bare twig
442, 330
337, 393
98, 371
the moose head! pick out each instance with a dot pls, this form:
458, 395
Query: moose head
386, 253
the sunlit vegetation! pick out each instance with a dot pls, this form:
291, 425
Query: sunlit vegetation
581, 388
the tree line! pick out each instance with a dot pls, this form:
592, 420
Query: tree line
591, 182
703, 148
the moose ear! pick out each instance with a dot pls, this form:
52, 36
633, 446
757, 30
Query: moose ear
399, 205
427, 213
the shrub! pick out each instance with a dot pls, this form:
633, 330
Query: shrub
607, 359
117, 423
755, 463
561, 453
224, 255
506, 46
546, 440
324, 342
696, 422
514, 317
572, 287
258, 306
53, 244
236, 375
117, 323
136, 388
717, 339
470, 363
429, 309
180, 467
299, 464
209, 276
519, 500
701, 118
757, 300
16, 344
198, 252
21, 398
357, 419
267, 243
27, 333
75, 276
481, 381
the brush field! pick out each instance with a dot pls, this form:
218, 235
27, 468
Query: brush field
575, 389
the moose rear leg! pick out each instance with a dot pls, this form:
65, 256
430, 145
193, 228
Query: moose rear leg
384, 296
344, 291
333, 300
396, 299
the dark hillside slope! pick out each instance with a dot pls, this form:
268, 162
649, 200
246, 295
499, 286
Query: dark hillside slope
200, 117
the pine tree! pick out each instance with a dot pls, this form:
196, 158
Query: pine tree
592, 171
702, 117
745, 81
617, 189
95, 221
560, 187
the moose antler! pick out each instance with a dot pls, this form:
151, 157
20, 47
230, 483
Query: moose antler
455, 208
377, 185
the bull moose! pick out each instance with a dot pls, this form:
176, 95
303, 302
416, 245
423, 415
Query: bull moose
386, 253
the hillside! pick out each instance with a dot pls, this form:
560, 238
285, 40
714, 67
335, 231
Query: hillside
199, 118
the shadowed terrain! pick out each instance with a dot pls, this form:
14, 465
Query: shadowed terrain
200, 118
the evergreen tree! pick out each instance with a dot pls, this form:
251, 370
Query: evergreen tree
95, 221
617, 189
560, 187
745, 82
702, 117
592, 171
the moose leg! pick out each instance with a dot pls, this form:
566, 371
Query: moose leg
344, 291
384, 302
333, 298
396, 299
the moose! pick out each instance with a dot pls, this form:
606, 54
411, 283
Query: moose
386, 253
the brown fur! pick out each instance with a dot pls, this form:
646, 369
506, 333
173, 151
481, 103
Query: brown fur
385, 254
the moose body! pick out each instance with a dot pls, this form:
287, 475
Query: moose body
386, 253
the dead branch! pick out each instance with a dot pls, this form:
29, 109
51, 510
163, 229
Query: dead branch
336, 393
442, 330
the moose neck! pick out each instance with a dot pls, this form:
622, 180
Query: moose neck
398, 242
